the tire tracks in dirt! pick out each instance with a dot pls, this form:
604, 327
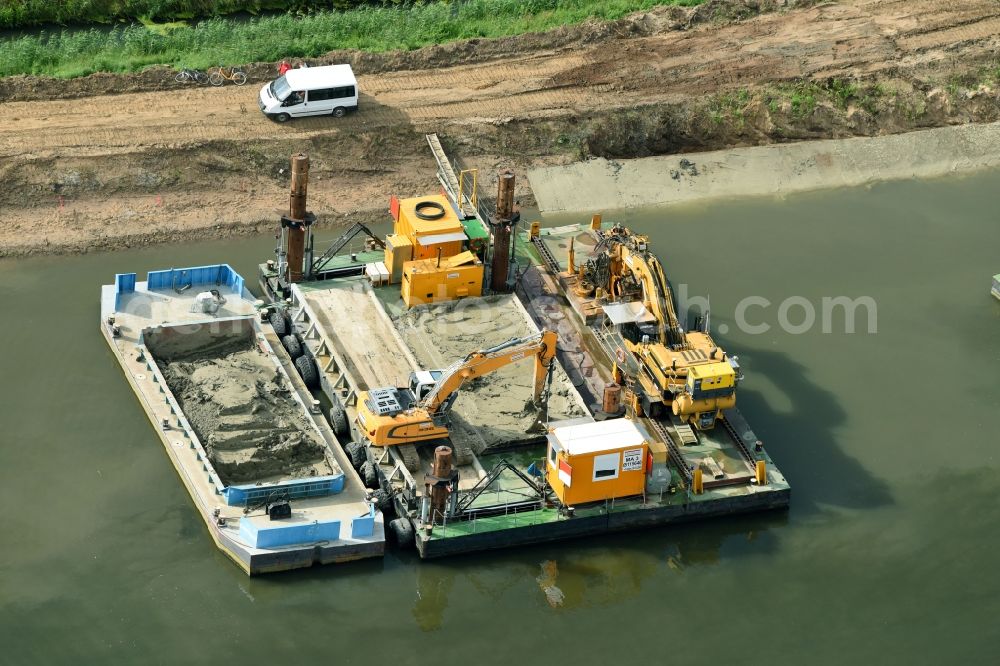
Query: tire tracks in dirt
210, 138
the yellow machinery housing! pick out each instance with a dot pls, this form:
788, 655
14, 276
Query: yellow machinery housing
597, 461
431, 280
398, 251
391, 416
428, 252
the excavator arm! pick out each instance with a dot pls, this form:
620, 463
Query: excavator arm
541, 347
656, 292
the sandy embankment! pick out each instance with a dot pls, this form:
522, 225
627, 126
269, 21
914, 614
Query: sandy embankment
780, 169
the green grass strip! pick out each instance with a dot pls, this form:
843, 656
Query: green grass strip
20, 13
212, 42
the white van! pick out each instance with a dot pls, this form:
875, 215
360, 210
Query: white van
310, 91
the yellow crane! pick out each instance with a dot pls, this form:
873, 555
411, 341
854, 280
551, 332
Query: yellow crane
685, 371
392, 415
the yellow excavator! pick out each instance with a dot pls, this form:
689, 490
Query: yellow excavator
393, 416
685, 371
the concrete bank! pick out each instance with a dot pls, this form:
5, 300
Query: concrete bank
777, 169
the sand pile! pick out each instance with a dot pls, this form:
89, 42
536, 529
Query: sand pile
243, 412
443, 333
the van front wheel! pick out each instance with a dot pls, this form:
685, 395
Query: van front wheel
282, 117
339, 112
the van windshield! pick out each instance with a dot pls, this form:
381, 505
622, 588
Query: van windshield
280, 89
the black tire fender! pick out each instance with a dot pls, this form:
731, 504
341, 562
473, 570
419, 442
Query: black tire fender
356, 452
306, 365
292, 346
368, 475
402, 530
278, 323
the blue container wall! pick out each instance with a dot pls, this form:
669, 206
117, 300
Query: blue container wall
216, 275
277, 534
250, 494
124, 284
363, 526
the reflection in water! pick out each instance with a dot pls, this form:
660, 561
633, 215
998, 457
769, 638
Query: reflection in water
433, 587
547, 581
590, 575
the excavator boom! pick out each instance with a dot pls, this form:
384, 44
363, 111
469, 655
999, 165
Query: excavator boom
392, 416
542, 347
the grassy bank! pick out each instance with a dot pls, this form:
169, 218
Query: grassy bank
20, 13
215, 41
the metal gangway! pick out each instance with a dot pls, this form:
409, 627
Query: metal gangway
462, 185
316, 266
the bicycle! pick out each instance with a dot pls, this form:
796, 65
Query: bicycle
219, 75
189, 75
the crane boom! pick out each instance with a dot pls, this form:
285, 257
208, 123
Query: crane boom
683, 371
656, 292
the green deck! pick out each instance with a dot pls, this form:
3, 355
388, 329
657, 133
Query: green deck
474, 229
621, 506
344, 260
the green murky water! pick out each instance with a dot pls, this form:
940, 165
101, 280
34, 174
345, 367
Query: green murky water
888, 553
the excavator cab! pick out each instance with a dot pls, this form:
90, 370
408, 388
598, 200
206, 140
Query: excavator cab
422, 381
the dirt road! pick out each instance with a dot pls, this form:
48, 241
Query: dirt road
152, 165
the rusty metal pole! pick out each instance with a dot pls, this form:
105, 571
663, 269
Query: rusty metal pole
442, 471
505, 196
297, 216
501, 229
612, 398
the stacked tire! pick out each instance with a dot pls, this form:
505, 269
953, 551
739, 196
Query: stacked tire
292, 345
356, 452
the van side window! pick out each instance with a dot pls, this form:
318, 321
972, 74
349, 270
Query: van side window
320, 95
331, 93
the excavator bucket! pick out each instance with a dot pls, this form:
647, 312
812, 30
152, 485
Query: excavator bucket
541, 424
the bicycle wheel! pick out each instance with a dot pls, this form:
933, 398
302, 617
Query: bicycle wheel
216, 79
239, 78
201, 77
181, 77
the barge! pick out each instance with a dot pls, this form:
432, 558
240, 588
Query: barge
263, 469
486, 484
461, 384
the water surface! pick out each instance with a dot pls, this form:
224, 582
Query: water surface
888, 439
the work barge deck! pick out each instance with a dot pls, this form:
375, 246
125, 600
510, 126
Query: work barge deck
355, 328
345, 323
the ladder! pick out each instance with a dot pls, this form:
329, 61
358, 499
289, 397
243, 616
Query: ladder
450, 181
686, 434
